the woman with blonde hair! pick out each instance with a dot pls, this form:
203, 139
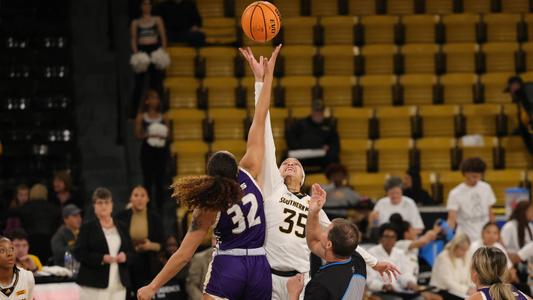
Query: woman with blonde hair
488, 272
450, 273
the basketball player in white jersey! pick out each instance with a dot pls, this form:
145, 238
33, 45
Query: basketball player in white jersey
286, 210
15, 283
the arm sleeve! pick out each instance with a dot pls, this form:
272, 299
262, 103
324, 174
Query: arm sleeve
370, 259
508, 240
452, 203
491, 198
270, 172
315, 291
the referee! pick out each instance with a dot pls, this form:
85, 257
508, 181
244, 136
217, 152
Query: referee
344, 275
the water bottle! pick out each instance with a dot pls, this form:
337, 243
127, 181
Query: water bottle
69, 261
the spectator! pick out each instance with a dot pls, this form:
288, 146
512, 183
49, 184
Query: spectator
11, 215
152, 126
103, 249
488, 274
63, 193
13, 280
316, 132
340, 194
197, 272
20, 196
183, 22
412, 188
41, 219
176, 284
147, 35
406, 282
470, 203
146, 233
65, 237
395, 202
517, 89
489, 238
518, 231
450, 273
24, 260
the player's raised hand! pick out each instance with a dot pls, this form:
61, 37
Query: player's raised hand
387, 269
273, 57
255, 65
318, 198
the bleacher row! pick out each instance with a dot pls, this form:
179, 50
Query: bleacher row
404, 83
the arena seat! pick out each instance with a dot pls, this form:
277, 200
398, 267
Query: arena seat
228, 123
502, 27
438, 120
182, 91
338, 30
361, 7
218, 61
418, 89
420, 28
376, 90
481, 119
460, 57
236, 146
300, 112
378, 59
449, 180
298, 60
510, 111
419, 58
187, 124
435, 153
353, 154
441, 7
493, 85
221, 91
296, 90
393, 153
461, 28
516, 155
400, 7
500, 180
210, 8
458, 88
248, 88
337, 59
324, 7
477, 6
316, 178
278, 117
220, 30
190, 157
378, 29
288, 9
516, 6
337, 90
483, 151
500, 57
395, 121
527, 48
528, 18
369, 184
298, 30
352, 123
182, 61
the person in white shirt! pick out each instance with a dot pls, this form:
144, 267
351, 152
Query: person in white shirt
406, 283
490, 236
286, 209
15, 283
518, 231
451, 270
395, 202
470, 203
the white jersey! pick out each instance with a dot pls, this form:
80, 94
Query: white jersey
286, 214
21, 288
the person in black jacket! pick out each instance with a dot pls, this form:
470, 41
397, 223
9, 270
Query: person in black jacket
412, 188
314, 132
103, 249
146, 232
183, 21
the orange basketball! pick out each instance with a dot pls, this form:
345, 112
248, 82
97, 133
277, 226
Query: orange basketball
261, 21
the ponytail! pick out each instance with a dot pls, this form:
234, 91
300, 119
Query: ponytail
501, 291
207, 192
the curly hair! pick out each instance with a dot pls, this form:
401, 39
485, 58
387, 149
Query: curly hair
207, 192
473, 165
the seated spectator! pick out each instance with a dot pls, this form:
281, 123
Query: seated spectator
183, 22
406, 283
488, 274
412, 188
470, 203
451, 272
147, 235
198, 270
24, 260
489, 238
395, 202
20, 196
518, 231
104, 251
10, 217
340, 194
177, 284
519, 93
62, 190
316, 132
41, 219
65, 237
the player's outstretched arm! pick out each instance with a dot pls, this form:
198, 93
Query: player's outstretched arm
202, 221
255, 147
312, 228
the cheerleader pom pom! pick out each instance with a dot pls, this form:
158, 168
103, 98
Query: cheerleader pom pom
140, 62
160, 59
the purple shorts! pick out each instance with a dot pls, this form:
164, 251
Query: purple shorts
240, 277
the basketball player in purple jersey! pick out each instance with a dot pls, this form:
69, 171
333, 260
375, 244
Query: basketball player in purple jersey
229, 199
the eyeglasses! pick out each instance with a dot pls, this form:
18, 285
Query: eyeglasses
4, 251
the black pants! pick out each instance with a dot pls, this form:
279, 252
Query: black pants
151, 79
153, 164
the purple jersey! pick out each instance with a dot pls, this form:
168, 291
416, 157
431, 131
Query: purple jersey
243, 225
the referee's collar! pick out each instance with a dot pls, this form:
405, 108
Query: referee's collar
336, 263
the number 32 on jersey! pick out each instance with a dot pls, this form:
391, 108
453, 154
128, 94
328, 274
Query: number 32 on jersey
238, 217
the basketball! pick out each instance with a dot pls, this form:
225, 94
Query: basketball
261, 21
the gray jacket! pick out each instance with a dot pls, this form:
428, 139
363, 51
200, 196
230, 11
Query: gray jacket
63, 240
